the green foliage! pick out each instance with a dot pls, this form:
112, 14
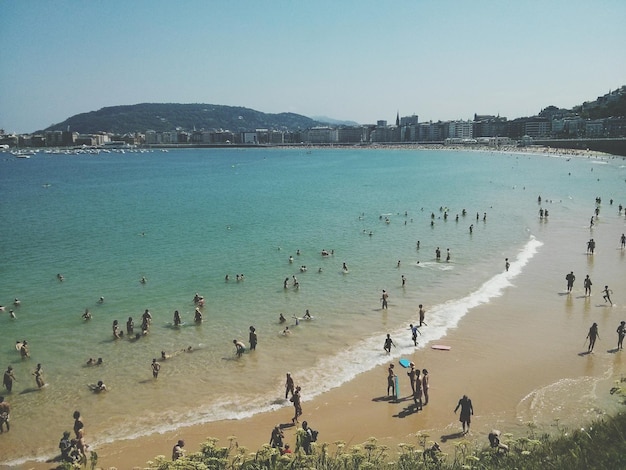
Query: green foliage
171, 116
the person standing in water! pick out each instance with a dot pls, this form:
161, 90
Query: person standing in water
587, 283
39, 376
8, 379
467, 410
384, 298
388, 343
592, 336
289, 385
621, 332
252, 338
570, 278
156, 367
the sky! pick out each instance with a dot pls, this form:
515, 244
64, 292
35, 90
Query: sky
357, 60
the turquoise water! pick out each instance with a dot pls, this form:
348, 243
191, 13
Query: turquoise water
185, 219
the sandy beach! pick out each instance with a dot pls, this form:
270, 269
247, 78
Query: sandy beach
520, 358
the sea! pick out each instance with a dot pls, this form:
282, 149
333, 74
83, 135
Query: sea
81, 227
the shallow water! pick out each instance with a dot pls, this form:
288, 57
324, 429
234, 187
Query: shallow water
185, 219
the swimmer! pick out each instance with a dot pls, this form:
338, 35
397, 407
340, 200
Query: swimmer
281, 318
17, 302
101, 300
143, 280
87, 314
286, 331
99, 387
11, 314
60, 277
24, 350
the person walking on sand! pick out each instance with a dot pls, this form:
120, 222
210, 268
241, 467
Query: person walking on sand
391, 381
587, 283
467, 410
607, 295
570, 278
156, 367
384, 298
592, 336
621, 332
289, 386
388, 343
296, 399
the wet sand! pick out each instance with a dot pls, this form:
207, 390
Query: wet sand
520, 358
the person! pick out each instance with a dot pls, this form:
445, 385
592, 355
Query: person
8, 379
307, 315
130, 326
414, 331
289, 385
621, 332
391, 380
197, 316
403, 281
78, 425
286, 450
417, 393
438, 254
87, 315
99, 387
24, 350
177, 450
39, 376
494, 441
507, 265
447, 254
607, 294
425, 385
412, 374
623, 241
156, 367
467, 410
308, 437
384, 298
592, 336
570, 278
286, 283
117, 334
65, 446
177, 320
252, 338
422, 313
287, 331
240, 347
296, 399
276, 439
388, 343
281, 318
587, 283
5, 411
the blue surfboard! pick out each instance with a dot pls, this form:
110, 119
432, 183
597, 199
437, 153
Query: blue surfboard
404, 363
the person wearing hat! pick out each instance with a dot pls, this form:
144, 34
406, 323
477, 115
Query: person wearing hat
8, 379
177, 451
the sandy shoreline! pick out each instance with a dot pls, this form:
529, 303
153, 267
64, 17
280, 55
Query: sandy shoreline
514, 357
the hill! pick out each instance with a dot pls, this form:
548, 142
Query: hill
170, 116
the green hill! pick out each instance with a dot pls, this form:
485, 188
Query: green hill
170, 116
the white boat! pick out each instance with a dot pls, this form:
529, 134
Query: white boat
23, 153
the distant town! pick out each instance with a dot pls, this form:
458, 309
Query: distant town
587, 122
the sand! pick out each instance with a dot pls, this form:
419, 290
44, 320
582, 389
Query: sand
519, 358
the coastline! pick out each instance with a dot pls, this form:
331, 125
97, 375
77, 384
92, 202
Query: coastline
510, 356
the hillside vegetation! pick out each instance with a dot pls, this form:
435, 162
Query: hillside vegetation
170, 116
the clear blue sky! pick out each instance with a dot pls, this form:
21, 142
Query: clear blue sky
357, 60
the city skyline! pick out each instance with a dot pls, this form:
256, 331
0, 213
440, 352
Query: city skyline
353, 60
